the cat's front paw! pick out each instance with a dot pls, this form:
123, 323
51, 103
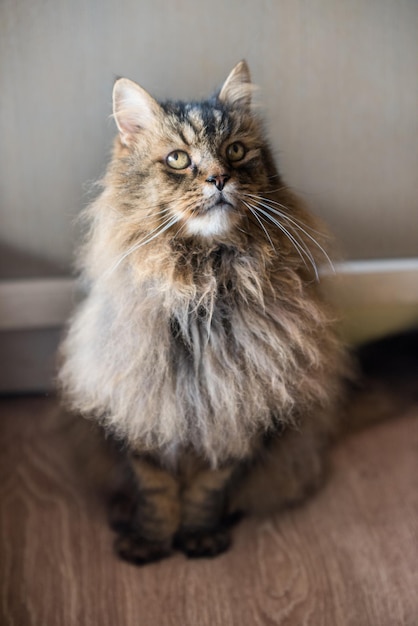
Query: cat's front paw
203, 543
122, 508
137, 550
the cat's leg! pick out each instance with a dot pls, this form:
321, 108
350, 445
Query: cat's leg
202, 531
122, 507
156, 515
286, 470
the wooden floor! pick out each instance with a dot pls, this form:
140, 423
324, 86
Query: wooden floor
348, 557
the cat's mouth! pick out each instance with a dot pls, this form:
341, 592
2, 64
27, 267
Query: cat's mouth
220, 203
212, 218
221, 206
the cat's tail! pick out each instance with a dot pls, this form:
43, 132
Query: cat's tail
386, 385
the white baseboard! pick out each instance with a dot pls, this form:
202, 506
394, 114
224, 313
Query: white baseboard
372, 298
35, 304
47, 303
32, 314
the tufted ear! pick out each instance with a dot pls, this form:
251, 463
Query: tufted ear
237, 89
133, 109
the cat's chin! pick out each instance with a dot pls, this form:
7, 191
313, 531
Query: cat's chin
215, 222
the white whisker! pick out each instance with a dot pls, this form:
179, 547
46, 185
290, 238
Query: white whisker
156, 214
283, 206
147, 239
295, 224
302, 249
253, 211
180, 229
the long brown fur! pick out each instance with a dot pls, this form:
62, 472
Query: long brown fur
203, 343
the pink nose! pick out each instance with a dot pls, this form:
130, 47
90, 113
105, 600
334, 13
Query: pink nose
219, 181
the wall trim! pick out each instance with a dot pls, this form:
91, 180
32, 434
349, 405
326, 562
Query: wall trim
377, 266
47, 303
371, 298
35, 304
363, 283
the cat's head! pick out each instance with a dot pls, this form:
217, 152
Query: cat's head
194, 165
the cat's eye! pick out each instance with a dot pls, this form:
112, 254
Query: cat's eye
235, 151
178, 160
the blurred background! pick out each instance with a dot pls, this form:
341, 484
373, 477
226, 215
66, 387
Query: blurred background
338, 86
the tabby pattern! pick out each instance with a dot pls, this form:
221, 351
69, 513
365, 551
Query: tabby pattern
203, 343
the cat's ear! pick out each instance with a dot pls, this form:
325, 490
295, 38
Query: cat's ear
133, 109
237, 89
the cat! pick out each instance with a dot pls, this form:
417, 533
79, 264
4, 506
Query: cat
203, 345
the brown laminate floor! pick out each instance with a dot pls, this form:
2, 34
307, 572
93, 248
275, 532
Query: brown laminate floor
347, 557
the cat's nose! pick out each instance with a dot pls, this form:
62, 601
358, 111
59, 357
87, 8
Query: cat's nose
219, 181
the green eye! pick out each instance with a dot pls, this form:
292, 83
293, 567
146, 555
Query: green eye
236, 151
178, 160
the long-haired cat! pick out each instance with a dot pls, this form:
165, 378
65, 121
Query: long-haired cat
203, 343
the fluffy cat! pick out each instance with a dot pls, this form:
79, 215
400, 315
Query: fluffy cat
203, 343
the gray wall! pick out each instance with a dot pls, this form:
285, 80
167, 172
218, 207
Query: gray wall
338, 84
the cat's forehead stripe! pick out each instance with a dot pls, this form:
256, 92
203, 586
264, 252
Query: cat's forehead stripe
188, 132
197, 123
207, 122
200, 121
195, 117
218, 116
